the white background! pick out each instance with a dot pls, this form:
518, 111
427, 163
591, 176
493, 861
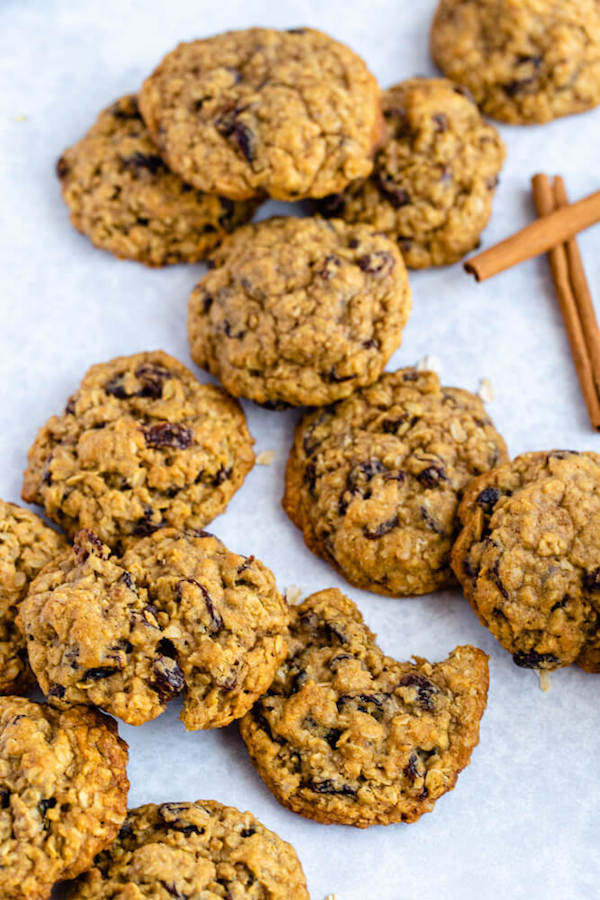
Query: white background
523, 821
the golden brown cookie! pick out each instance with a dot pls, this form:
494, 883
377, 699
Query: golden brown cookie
374, 481
299, 311
528, 557
524, 61
349, 736
63, 794
200, 851
290, 114
121, 194
434, 176
26, 545
178, 612
141, 445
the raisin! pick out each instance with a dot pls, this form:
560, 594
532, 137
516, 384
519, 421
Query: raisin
128, 580
464, 92
142, 220
168, 677
216, 622
488, 498
168, 434
333, 378
379, 263
494, 576
412, 770
430, 521
245, 139
46, 804
518, 86
591, 580
247, 832
492, 183
441, 122
425, 688
330, 264
328, 786
245, 565
275, 405
4, 798
150, 161
432, 476
390, 426
223, 474
372, 534
172, 816
396, 195
145, 526
152, 378
85, 543
62, 167
332, 736
530, 659
227, 210
236, 335
99, 672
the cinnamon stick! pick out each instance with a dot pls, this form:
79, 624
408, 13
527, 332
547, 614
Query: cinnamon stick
544, 202
581, 291
554, 227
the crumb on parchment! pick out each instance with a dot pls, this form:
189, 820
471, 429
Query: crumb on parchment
485, 391
265, 457
293, 596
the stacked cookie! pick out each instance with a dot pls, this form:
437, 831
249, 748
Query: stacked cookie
226, 122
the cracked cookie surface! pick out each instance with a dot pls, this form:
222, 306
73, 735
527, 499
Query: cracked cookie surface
290, 114
374, 481
349, 736
299, 311
141, 445
524, 61
434, 175
528, 557
194, 850
177, 612
63, 794
27, 544
121, 194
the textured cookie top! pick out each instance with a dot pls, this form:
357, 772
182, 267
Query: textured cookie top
524, 61
287, 113
299, 311
63, 794
528, 557
124, 198
194, 850
434, 175
176, 612
142, 444
374, 481
26, 545
347, 735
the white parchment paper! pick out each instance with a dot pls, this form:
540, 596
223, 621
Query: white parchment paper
523, 820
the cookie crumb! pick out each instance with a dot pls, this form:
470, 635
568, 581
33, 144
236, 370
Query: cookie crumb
544, 676
293, 595
331, 897
485, 391
429, 363
265, 457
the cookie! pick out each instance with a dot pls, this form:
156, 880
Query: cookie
63, 794
524, 61
528, 557
26, 545
434, 177
374, 481
299, 311
349, 736
121, 194
178, 612
140, 445
194, 850
290, 114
